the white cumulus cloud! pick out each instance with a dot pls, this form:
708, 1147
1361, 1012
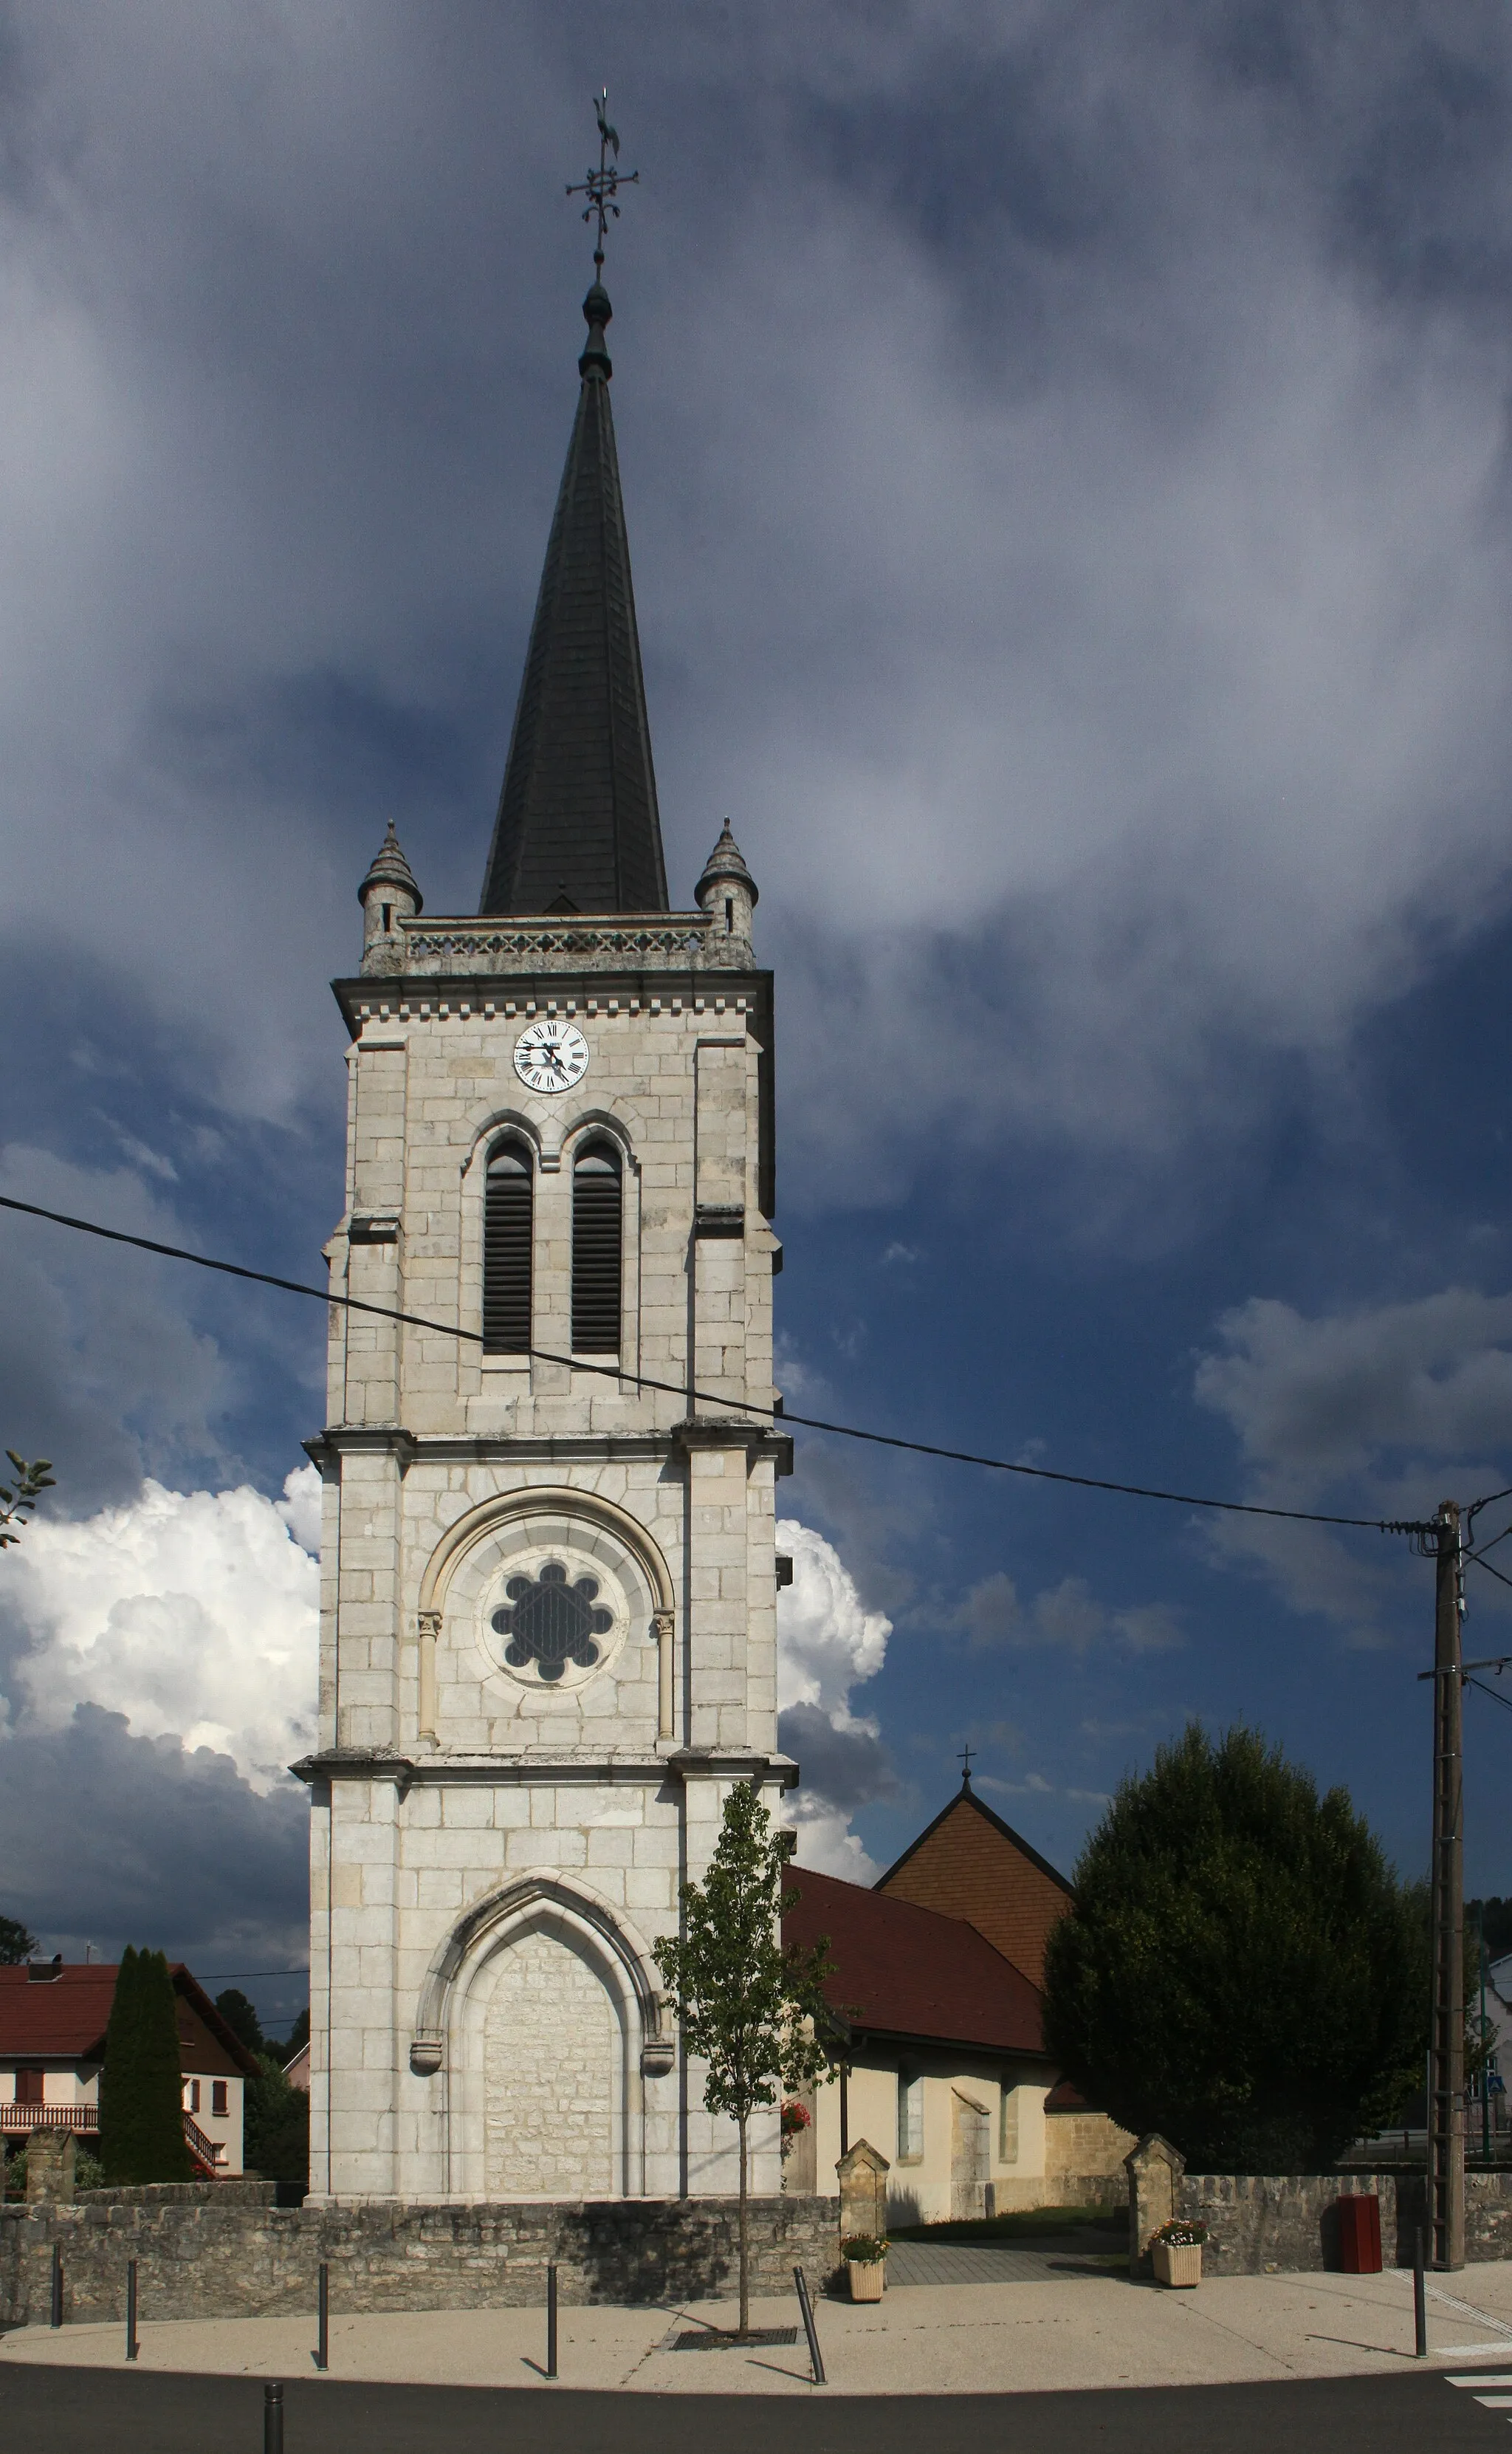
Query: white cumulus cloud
193, 1613
828, 1643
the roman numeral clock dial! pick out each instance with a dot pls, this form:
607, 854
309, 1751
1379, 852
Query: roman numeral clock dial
551, 1057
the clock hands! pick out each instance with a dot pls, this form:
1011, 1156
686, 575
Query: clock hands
551, 1057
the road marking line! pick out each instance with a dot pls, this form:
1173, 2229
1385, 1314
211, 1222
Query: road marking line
1468, 2309
1477, 2377
1495, 2401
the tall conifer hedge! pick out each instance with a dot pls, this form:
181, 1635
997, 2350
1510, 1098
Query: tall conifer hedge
142, 2085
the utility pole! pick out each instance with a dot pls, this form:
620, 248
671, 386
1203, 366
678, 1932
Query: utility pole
1447, 2033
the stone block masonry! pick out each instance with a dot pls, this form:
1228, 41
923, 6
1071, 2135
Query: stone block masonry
210, 2259
1288, 2224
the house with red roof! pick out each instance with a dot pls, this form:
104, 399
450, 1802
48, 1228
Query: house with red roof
947, 2071
53, 2024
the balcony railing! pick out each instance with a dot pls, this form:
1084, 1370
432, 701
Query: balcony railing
48, 2116
206, 2152
210, 2154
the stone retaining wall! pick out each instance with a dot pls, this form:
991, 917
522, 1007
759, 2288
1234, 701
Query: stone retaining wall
210, 2259
1271, 2224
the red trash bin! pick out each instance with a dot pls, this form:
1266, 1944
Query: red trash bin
1360, 2235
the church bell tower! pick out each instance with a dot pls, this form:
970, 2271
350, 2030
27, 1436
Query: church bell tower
548, 1572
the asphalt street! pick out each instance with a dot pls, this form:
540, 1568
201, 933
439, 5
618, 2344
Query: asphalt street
84, 2411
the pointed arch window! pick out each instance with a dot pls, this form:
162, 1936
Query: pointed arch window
598, 1212
508, 1204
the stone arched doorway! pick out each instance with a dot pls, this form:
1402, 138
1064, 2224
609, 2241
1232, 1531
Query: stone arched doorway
537, 2023
553, 2059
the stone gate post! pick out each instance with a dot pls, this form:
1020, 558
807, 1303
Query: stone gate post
1154, 2167
49, 2166
863, 2172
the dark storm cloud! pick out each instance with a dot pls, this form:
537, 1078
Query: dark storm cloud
1065, 475
112, 1838
843, 1768
103, 1370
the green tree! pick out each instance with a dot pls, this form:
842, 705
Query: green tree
753, 2010
1242, 1971
241, 2018
19, 1497
275, 2139
1491, 1918
298, 2035
142, 2083
16, 1942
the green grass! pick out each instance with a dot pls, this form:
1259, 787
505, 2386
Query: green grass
1023, 2223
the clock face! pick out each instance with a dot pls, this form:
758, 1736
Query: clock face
551, 1056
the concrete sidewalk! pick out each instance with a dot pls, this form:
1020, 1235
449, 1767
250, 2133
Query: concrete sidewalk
1083, 2331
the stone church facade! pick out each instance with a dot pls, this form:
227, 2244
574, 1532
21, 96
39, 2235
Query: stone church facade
549, 1565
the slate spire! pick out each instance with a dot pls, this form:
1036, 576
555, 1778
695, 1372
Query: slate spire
578, 828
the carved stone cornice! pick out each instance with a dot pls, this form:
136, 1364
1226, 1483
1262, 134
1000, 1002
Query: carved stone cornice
758, 1438
733, 1763
441, 1771
357, 1764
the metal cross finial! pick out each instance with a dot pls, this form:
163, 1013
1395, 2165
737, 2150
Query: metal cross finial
602, 185
966, 1754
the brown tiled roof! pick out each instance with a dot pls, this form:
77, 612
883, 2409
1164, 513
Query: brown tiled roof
63, 2018
969, 1863
905, 1971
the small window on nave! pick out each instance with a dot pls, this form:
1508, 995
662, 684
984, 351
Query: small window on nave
597, 1235
506, 1238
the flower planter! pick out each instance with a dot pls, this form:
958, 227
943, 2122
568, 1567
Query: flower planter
1179, 2264
867, 2277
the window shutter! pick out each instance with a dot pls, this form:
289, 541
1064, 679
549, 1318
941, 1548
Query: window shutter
507, 1236
597, 1230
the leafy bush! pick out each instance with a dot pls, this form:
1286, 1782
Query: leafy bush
863, 2250
89, 2173
275, 2138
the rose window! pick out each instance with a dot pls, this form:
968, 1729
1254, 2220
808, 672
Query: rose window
552, 1622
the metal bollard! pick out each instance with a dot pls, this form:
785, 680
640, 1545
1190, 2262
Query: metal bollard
272, 2419
551, 2322
323, 2332
132, 2347
57, 2317
815, 2356
1420, 2297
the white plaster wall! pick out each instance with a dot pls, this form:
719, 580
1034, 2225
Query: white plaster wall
919, 2188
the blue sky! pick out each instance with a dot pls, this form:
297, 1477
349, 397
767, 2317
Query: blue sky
1066, 460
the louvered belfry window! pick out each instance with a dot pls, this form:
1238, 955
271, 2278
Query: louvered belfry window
597, 1217
507, 1251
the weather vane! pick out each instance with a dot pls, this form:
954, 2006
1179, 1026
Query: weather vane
602, 185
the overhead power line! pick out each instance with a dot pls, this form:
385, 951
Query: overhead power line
709, 1398
218, 1976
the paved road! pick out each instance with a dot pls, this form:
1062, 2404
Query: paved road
91, 2411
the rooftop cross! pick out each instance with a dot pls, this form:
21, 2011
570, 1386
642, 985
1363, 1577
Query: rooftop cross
602, 185
966, 1754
